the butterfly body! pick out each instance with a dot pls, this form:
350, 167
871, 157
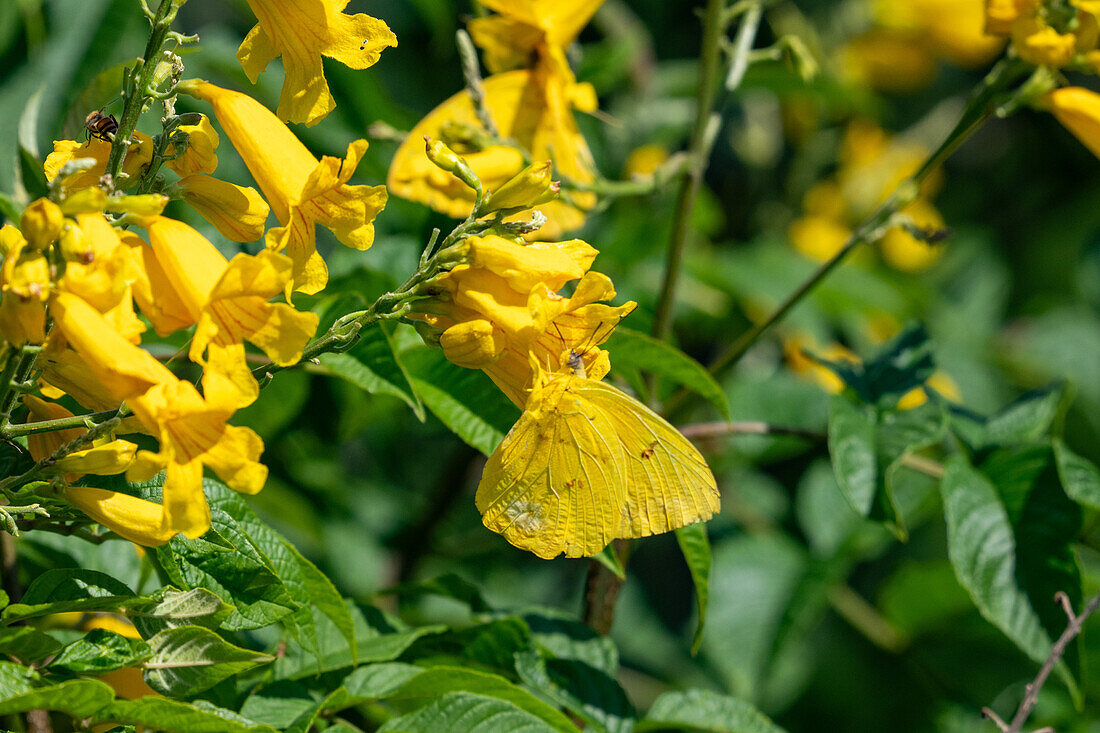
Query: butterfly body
586, 464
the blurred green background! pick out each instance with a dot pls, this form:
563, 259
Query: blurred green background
825, 621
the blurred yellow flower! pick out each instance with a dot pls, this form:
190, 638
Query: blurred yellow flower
940, 382
302, 191
530, 97
644, 161
795, 349
302, 32
1078, 109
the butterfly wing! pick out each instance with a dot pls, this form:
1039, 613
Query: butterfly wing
555, 483
668, 483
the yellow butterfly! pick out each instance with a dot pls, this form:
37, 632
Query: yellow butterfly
586, 464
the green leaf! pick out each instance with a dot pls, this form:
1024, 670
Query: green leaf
190, 659
448, 585
1080, 476
9, 209
63, 590
585, 691
492, 644
22, 690
374, 366
428, 686
101, 651
27, 645
169, 608
376, 681
378, 639
34, 179
610, 560
563, 637
471, 714
696, 550
852, 449
868, 446
320, 591
174, 716
465, 400
704, 710
633, 351
1026, 419
982, 549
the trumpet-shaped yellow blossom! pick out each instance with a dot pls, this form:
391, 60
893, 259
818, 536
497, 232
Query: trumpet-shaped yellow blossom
153, 291
239, 213
302, 32
140, 521
1078, 110
501, 308
201, 153
192, 428
302, 191
139, 155
518, 104
104, 274
530, 98
229, 302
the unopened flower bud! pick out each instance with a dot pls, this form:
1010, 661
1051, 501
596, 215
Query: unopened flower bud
441, 155
41, 223
11, 240
149, 204
532, 186
84, 201
75, 246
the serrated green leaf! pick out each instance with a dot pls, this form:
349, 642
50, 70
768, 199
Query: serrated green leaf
279, 704
174, 716
190, 659
585, 691
470, 714
982, 549
27, 645
493, 644
101, 651
322, 594
1080, 476
1025, 419
169, 608
427, 687
465, 400
704, 710
22, 690
636, 351
563, 637
378, 639
695, 547
374, 366
62, 590
373, 682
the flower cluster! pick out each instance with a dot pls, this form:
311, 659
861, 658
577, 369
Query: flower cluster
530, 98
871, 166
79, 288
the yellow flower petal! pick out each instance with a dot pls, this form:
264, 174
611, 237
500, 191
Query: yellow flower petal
200, 155
102, 460
1078, 109
302, 31
138, 156
41, 223
152, 289
123, 369
137, 520
239, 213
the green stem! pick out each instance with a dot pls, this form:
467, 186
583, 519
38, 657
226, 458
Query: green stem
14, 377
707, 124
980, 108
135, 102
74, 445
61, 423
